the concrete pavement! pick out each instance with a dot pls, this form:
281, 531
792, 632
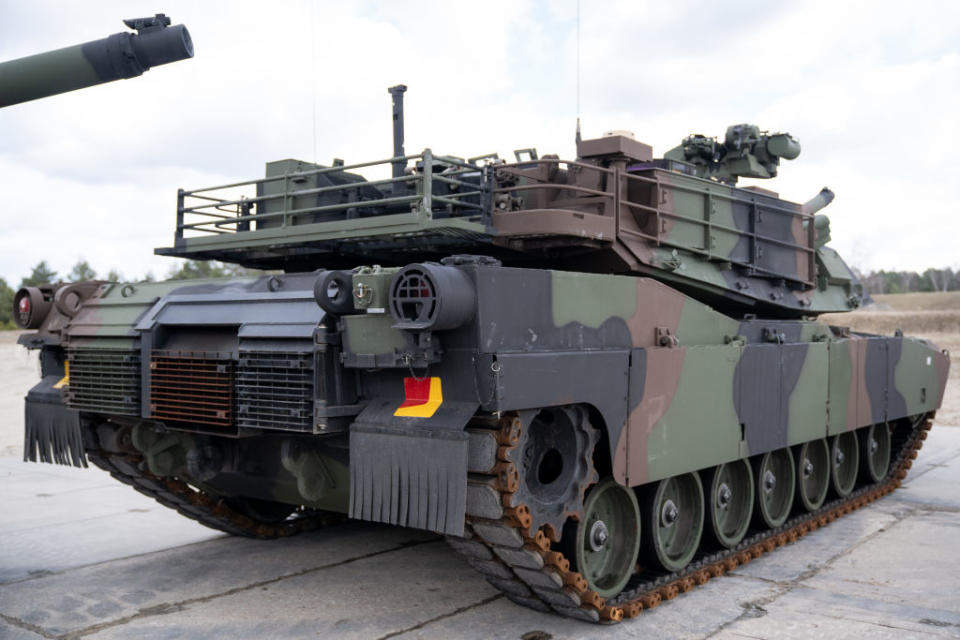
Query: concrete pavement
84, 556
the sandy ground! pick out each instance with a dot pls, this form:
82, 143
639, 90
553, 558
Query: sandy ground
83, 556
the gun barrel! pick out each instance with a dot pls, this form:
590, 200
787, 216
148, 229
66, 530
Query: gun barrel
119, 56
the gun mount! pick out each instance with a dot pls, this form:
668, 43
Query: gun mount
119, 56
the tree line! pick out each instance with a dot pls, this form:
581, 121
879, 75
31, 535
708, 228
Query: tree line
43, 273
909, 281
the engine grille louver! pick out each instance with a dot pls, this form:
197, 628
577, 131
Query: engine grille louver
104, 380
192, 386
275, 390
260, 390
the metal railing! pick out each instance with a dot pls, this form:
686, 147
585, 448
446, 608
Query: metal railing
576, 195
446, 187
611, 194
437, 188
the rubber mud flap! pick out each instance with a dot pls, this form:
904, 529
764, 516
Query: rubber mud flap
51, 430
410, 472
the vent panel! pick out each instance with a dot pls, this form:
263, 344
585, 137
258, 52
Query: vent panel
104, 381
192, 386
275, 390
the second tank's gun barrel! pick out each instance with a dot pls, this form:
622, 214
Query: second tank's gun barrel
119, 56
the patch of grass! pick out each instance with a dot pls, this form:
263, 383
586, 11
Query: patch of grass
917, 314
913, 323
925, 301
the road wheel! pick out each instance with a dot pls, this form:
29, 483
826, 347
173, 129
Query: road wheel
673, 511
875, 452
774, 486
729, 502
608, 537
844, 461
813, 473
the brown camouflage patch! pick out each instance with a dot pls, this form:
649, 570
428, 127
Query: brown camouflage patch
662, 377
536, 222
858, 402
657, 306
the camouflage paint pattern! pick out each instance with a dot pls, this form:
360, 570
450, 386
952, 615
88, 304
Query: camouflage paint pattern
694, 387
738, 246
110, 316
701, 351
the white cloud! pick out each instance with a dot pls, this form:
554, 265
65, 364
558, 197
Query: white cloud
868, 88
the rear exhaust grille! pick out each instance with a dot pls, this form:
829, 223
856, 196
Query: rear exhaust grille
104, 380
192, 386
275, 390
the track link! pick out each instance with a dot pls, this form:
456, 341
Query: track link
520, 562
198, 505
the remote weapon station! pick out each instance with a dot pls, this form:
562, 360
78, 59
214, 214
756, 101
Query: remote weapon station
602, 379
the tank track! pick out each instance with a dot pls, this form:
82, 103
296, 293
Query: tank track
529, 571
202, 507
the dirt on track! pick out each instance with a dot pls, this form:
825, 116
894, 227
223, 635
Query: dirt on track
934, 316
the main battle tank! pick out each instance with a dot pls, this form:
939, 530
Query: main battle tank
603, 379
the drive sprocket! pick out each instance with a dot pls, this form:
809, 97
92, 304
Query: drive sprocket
554, 460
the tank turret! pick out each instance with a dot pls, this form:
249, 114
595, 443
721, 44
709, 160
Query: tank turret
616, 209
119, 56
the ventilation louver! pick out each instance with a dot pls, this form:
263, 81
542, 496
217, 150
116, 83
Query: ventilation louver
192, 386
275, 390
104, 381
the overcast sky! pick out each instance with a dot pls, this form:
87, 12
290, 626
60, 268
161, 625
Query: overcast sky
869, 88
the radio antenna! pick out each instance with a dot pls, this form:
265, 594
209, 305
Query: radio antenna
313, 72
577, 137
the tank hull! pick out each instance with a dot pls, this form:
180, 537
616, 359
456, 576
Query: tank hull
492, 418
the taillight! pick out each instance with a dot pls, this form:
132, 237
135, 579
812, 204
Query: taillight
30, 307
